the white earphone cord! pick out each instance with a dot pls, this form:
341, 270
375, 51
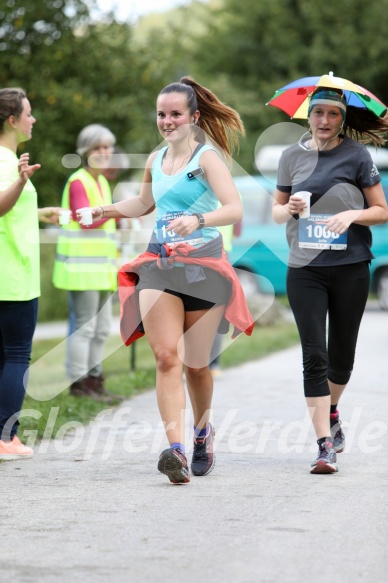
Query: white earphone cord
324, 146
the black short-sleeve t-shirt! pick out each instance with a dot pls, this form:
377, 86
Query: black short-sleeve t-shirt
335, 178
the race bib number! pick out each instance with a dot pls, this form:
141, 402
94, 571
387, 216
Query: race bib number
313, 234
170, 237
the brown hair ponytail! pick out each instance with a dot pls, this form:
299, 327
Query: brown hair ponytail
221, 123
365, 127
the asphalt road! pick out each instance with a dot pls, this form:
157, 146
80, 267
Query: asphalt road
90, 506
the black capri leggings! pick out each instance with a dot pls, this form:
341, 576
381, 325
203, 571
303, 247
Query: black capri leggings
341, 293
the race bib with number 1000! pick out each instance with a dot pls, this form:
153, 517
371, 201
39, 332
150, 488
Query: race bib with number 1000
313, 234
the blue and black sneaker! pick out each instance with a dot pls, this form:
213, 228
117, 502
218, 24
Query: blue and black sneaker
203, 459
173, 463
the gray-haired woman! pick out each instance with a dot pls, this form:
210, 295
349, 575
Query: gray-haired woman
85, 265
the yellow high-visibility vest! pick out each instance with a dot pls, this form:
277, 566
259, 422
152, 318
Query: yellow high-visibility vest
86, 258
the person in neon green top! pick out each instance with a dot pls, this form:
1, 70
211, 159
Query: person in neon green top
85, 265
19, 280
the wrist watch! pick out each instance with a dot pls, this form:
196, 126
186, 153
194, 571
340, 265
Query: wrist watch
201, 219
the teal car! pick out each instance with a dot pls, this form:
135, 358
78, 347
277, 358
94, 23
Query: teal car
379, 265
259, 254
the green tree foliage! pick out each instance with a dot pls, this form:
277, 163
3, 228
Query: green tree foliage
79, 70
254, 48
273, 41
75, 72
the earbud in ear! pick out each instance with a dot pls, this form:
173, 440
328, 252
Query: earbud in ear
194, 120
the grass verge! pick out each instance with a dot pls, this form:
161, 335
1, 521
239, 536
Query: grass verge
48, 407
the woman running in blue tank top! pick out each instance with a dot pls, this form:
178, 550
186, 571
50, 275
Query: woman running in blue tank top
185, 287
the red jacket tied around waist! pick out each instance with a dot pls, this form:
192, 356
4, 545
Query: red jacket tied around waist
236, 311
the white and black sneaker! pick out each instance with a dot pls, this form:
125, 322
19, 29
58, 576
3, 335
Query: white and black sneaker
337, 434
326, 462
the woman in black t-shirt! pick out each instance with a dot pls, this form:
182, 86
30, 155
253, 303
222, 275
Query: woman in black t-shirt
330, 241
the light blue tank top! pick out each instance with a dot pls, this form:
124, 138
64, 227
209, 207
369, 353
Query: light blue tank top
178, 194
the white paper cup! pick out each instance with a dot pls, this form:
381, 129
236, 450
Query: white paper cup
86, 216
306, 196
64, 217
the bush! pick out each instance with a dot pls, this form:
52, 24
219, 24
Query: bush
53, 301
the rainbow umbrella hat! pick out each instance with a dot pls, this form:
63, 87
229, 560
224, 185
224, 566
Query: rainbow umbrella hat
293, 98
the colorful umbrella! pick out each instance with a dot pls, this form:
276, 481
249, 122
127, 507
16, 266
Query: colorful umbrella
293, 98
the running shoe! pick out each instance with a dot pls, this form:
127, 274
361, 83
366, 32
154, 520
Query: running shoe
337, 434
203, 459
173, 463
14, 450
326, 460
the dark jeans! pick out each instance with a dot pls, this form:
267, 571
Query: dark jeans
17, 326
339, 293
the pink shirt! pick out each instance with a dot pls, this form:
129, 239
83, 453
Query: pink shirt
79, 199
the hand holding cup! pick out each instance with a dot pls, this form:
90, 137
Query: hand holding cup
85, 216
65, 217
306, 197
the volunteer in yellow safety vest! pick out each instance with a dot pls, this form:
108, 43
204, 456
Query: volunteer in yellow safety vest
85, 265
